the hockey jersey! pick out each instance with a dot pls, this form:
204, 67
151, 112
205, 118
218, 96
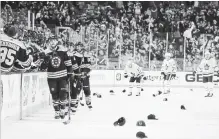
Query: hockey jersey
169, 66
75, 66
57, 63
83, 61
13, 51
133, 70
208, 67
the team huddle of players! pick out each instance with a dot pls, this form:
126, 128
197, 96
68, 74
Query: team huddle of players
69, 70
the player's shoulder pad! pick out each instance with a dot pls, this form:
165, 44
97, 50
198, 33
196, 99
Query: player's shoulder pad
87, 55
4, 37
47, 51
78, 54
69, 53
61, 48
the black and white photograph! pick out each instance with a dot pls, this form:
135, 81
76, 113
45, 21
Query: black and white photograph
109, 69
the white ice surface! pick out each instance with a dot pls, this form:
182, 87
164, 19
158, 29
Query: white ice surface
199, 121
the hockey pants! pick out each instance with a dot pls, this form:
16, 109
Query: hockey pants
59, 90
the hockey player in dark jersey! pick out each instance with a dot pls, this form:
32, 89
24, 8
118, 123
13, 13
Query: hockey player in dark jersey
12, 51
59, 70
73, 82
82, 76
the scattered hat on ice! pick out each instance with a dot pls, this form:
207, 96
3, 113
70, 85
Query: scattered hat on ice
111, 91
182, 107
140, 123
152, 117
94, 94
120, 122
165, 99
124, 91
142, 89
99, 96
141, 135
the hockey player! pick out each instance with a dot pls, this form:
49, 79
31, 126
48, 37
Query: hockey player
74, 84
59, 70
136, 74
12, 51
168, 72
82, 77
207, 68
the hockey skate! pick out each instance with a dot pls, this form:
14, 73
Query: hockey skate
62, 113
89, 105
57, 115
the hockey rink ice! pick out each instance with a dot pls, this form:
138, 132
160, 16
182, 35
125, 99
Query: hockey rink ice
200, 120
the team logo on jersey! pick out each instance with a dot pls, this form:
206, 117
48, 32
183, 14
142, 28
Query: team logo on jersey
56, 61
206, 67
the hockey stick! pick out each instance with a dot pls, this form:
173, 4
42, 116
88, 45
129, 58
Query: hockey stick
69, 105
81, 98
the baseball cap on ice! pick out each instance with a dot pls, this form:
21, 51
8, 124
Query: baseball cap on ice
152, 117
120, 122
141, 123
141, 135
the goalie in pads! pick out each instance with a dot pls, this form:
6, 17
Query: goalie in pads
168, 72
135, 73
207, 67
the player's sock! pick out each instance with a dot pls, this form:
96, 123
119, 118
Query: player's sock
77, 101
138, 90
206, 90
62, 108
130, 89
88, 102
73, 104
211, 88
57, 115
56, 108
165, 87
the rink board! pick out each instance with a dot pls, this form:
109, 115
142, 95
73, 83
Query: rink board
26, 93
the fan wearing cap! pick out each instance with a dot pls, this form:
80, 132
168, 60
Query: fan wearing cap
168, 71
59, 69
13, 51
207, 68
135, 73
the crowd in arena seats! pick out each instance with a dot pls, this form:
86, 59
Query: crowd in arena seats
111, 29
